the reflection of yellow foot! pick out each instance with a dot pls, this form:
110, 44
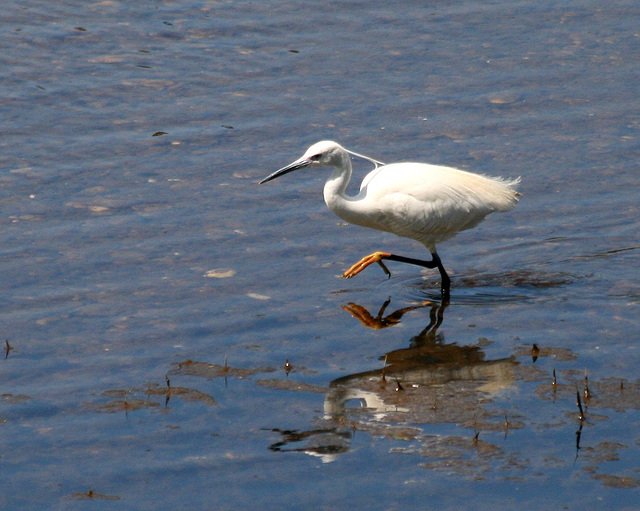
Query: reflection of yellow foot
362, 315
376, 257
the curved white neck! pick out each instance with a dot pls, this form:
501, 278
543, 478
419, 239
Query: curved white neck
335, 192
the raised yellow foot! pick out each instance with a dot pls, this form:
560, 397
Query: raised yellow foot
376, 257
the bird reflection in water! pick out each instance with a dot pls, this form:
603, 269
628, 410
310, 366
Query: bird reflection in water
380, 321
429, 382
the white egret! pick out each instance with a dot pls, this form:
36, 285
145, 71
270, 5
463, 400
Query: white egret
428, 203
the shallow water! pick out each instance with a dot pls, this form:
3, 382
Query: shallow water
177, 336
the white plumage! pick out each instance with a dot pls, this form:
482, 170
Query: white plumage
428, 203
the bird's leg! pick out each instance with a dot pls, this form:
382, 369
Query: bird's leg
377, 257
445, 283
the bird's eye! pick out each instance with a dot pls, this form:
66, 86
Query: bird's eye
315, 157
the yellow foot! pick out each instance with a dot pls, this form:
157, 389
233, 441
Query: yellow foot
376, 257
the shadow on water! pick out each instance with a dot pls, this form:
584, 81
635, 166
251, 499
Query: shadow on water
486, 288
475, 403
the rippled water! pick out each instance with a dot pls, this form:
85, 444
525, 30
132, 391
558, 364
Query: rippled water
177, 336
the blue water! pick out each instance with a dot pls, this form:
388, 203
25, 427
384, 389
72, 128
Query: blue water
137, 248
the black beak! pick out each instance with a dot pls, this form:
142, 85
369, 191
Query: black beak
296, 165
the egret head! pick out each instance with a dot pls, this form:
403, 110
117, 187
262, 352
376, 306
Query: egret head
320, 154
325, 154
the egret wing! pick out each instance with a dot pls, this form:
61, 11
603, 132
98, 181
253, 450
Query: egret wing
432, 203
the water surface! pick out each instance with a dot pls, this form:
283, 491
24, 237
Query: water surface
177, 336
